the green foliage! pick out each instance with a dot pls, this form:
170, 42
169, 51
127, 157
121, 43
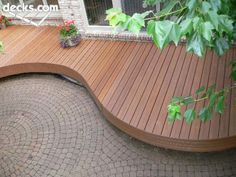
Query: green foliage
122, 21
151, 2
174, 112
163, 32
190, 115
1, 47
213, 99
233, 72
115, 17
204, 24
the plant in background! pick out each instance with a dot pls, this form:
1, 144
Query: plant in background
203, 24
1, 47
4, 22
69, 34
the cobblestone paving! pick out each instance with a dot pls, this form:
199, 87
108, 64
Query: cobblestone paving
50, 127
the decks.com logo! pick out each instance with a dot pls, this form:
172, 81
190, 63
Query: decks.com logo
29, 8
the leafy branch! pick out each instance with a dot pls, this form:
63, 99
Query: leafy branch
202, 23
156, 17
214, 98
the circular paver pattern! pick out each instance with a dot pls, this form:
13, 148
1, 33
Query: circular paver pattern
50, 127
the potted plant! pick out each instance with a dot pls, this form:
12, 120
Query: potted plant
69, 34
4, 22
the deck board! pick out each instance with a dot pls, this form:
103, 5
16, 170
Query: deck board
132, 83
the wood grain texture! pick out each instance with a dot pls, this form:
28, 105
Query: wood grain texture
132, 83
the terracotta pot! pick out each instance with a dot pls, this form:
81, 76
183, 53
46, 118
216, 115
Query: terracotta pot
70, 41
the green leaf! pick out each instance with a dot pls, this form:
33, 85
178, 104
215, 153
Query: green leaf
196, 44
233, 63
145, 14
200, 90
177, 99
175, 34
210, 91
173, 112
149, 3
212, 100
233, 75
163, 32
196, 23
225, 24
216, 4
205, 6
192, 4
221, 45
188, 100
139, 18
233, 70
186, 26
214, 18
190, 115
135, 23
167, 8
113, 11
115, 16
1, 47
206, 30
220, 104
151, 27
205, 114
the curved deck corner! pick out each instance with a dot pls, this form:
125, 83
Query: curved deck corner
131, 82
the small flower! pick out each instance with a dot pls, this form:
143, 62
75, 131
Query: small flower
60, 27
67, 28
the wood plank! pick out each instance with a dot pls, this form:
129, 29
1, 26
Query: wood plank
36, 54
154, 120
232, 123
113, 98
102, 67
205, 126
137, 84
106, 65
111, 89
119, 80
171, 91
31, 47
215, 122
132, 83
155, 92
180, 91
138, 96
130, 80
16, 48
85, 68
107, 80
81, 53
225, 118
146, 95
195, 126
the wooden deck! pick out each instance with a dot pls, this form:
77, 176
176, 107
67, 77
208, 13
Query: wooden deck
131, 82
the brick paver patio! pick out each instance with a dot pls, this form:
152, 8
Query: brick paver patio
50, 127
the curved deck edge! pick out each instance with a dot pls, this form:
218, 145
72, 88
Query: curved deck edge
156, 140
